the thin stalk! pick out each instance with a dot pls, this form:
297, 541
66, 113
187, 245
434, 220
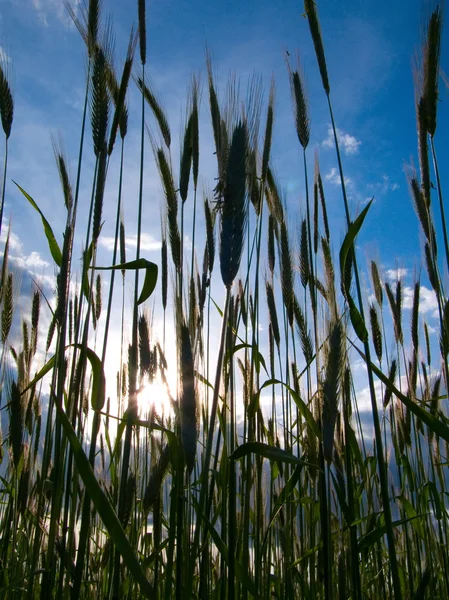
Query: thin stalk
192, 260
377, 430
85, 520
132, 396
206, 462
4, 183
440, 199
47, 446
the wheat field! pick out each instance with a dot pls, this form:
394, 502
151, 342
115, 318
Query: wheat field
247, 472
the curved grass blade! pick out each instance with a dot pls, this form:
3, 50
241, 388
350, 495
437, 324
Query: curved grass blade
414, 517
150, 280
98, 379
87, 259
45, 369
52, 243
267, 451
349, 240
282, 499
104, 507
354, 314
243, 576
302, 407
257, 356
375, 535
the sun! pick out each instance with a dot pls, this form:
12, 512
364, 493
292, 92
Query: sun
154, 395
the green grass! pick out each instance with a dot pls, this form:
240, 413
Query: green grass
101, 501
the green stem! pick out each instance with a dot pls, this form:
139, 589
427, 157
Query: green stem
440, 199
4, 184
377, 430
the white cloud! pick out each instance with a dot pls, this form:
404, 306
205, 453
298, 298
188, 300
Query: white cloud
348, 143
47, 8
427, 300
383, 186
14, 242
187, 243
147, 242
359, 366
35, 261
396, 274
334, 178
32, 264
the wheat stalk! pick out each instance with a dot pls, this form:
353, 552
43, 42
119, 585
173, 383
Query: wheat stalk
234, 207
6, 98
315, 31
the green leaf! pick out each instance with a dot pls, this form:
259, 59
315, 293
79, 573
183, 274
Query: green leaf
357, 322
87, 259
341, 499
259, 361
425, 579
104, 507
241, 574
436, 499
150, 275
373, 536
235, 349
282, 499
445, 329
52, 243
45, 369
305, 412
257, 356
349, 239
306, 555
203, 380
220, 312
98, 379
409, 472
356, 319
270, 452
416, 520
355, 449
118, 438
302, 407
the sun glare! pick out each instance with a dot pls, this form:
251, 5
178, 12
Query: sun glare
154, 395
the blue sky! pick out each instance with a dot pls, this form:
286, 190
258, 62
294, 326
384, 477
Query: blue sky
369, 48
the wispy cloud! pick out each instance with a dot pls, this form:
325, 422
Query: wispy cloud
334, 178
348, 143
383, 186
4, 57
53, 8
